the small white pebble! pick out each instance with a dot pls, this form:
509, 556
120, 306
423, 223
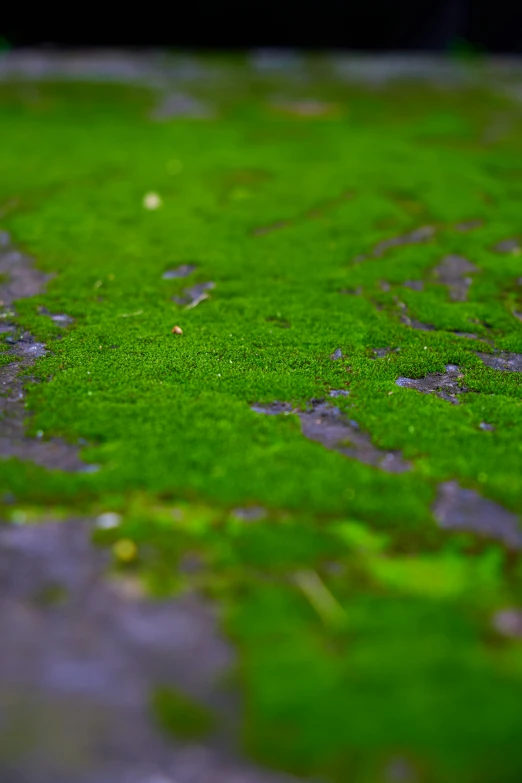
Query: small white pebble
108, 520
151, 201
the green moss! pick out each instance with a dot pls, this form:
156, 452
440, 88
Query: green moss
275, 209
180, 716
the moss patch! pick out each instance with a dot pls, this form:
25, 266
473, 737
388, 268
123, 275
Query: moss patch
304, 221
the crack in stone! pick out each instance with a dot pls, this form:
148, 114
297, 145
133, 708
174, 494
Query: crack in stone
415, 237
503, 361
445, 385
457, 508
326, 424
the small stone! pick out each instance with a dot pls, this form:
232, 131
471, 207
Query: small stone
125, 550
487, 427
108, 520
337, 354
415, 285
181, 271
151, 201
177, 330
249, 513
508, 246
339, 393
508, 622
469, 225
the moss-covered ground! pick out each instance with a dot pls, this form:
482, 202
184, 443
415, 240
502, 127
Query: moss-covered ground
364, 631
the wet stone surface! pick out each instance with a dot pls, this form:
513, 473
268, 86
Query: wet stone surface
454, 271
23, 280
414, 285
508, 622
81, 655
506, 362
381, 353
414, 323
469, 225
60, 319
446, 385
464, 509
418, 236
508, 246
326, 424
55, 453
250, 513
193, 296
181, 271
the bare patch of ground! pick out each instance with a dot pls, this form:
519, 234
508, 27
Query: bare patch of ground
326, 424
446, 385
506, 362
23, 280
453, 271
457, 508
81, 655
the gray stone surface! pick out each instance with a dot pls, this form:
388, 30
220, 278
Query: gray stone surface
457, 508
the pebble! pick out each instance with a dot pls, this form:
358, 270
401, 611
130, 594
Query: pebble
108, 520
177, 330
508, 622
151, 201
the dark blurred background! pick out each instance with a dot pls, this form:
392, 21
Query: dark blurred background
370, 25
